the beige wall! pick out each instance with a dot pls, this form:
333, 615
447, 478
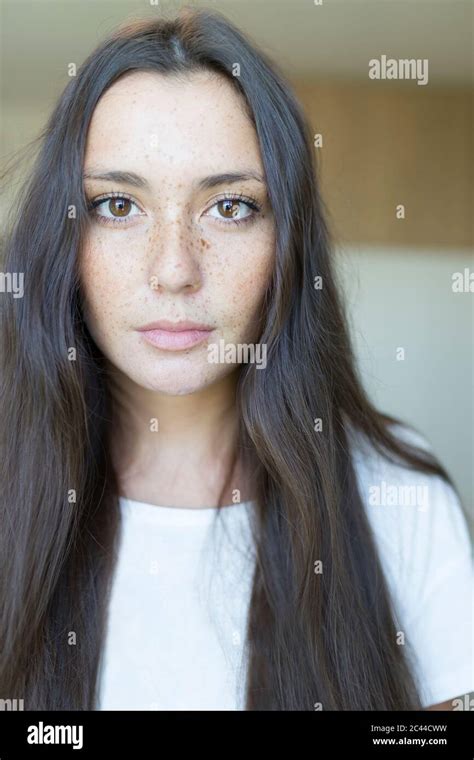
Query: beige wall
385, 145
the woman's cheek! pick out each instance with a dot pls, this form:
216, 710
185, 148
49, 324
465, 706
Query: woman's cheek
104, 284
106, 267
246, 280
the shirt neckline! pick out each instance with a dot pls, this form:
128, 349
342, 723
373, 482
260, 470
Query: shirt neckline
153, 513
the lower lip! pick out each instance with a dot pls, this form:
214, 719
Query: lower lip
175, 341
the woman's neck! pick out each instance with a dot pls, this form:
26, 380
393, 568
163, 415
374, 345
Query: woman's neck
176, 450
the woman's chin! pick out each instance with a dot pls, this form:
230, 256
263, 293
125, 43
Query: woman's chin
175, 382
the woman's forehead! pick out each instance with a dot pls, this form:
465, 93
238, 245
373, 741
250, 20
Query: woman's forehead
162, 128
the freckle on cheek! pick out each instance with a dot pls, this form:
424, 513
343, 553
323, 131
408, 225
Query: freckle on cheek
204, 243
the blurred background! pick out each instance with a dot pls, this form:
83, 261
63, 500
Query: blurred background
384, 143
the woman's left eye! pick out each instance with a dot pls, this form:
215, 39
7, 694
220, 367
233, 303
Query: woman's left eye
118, 208
230, 210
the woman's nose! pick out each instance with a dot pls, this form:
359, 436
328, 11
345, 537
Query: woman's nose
174, 256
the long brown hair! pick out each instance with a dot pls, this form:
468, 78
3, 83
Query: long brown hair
331, 640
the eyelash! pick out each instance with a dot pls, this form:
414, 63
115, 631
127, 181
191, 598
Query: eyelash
250, 202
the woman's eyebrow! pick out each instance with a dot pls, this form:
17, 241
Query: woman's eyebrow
130, 178
227, 178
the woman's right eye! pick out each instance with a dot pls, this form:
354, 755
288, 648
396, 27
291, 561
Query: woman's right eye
118, 208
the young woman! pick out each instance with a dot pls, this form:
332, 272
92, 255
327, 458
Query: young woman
200, 507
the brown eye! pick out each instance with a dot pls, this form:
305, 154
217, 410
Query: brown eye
229, 208
115, 209
119, 206
234, 210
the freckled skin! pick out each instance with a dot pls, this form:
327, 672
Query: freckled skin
178, 258
205, 267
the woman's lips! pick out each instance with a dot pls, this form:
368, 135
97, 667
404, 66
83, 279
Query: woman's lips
175, 339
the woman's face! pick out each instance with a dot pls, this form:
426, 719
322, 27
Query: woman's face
170, 247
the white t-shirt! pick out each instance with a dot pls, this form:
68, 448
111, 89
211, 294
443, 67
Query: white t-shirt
177, 614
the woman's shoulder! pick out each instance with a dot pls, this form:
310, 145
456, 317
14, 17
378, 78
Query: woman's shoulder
425, 550
416, 500
417, 516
